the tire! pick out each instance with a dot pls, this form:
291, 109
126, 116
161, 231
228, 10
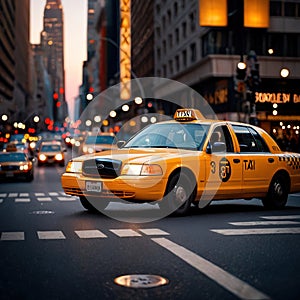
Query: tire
179, 195
87, 205
277, 194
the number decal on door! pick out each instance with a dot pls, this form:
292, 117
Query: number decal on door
224, 169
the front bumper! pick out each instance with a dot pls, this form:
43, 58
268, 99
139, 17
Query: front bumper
135, 188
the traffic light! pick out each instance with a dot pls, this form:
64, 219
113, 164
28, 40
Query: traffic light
241, 71
255, 75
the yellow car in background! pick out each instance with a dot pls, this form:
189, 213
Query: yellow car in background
187, 160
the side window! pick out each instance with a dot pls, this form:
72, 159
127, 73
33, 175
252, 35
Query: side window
222, 134
249, 140
261, 144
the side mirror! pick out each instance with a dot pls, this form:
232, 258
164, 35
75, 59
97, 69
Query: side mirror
120, 144
219, 147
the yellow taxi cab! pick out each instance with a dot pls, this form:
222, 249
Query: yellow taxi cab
188, 160
15, 164
98, 142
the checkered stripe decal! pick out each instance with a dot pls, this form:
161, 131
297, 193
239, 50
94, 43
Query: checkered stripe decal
292, 160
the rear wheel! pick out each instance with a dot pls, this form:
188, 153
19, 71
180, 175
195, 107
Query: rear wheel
278, 193
100, 204
179, 195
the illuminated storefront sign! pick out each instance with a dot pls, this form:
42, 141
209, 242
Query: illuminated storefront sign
125, 50
276, 98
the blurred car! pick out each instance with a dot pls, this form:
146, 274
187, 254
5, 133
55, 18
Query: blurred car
188, 160
98, 142
51, 153
14, 164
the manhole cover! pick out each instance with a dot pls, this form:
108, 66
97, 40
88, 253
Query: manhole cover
42, 212
141, 281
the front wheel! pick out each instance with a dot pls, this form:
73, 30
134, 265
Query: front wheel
179, 195
278, 193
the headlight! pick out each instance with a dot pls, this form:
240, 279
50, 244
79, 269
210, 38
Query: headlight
42, 157
24, 167
74, 167
58, 157
143, 170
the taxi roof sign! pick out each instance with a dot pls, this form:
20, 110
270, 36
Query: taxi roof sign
187, 114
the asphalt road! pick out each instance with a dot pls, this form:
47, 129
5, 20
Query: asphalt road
51, 248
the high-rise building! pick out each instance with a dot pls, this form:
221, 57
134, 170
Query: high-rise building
52, 40
15, 77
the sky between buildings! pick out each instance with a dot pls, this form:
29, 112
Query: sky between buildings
75, 27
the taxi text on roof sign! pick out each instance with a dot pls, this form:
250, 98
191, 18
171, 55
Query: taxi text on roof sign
187, 114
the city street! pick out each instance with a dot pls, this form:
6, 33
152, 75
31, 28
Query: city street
51, 248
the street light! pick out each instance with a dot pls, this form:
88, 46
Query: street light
284, 72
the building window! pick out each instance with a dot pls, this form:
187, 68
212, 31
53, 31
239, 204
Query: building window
192, 22
193, 49
169, 16
184, 58
164, 46
158, 32
177, 63
171, 67
170, 40
175, 9
158, 54
276, 8
184, 29
158, 9
177, 35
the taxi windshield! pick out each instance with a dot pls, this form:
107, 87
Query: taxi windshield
171, 135
100, 139
12, 157
50, 148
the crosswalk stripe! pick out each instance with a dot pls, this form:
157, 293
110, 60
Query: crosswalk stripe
50, 235
12, 236
3, 195
53, 194
125, 232
264, 223
22, 200
12, 195
66, 198
252, 231
290, 217
90, 234
39, 194
153, 231
44, 199
24, 195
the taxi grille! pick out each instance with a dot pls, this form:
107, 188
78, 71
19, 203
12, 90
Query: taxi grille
106, 168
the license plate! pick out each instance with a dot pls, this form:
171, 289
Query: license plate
9, 174
93, 186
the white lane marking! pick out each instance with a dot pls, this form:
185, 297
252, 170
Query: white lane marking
44, 199
12, 195
3, 195
290, 217
293, 230
1, 200
229, 282
53, 194
264, 223
66, 198
50, 235
39, 194
24, 195
124, 232
90, 234
12, 236
153, 231
22, 200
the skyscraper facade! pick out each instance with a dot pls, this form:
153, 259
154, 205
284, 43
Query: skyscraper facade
52, 40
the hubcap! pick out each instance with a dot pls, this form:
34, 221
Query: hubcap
180, 194
278, 189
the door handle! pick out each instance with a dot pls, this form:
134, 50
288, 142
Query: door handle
236, 160
271, 160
